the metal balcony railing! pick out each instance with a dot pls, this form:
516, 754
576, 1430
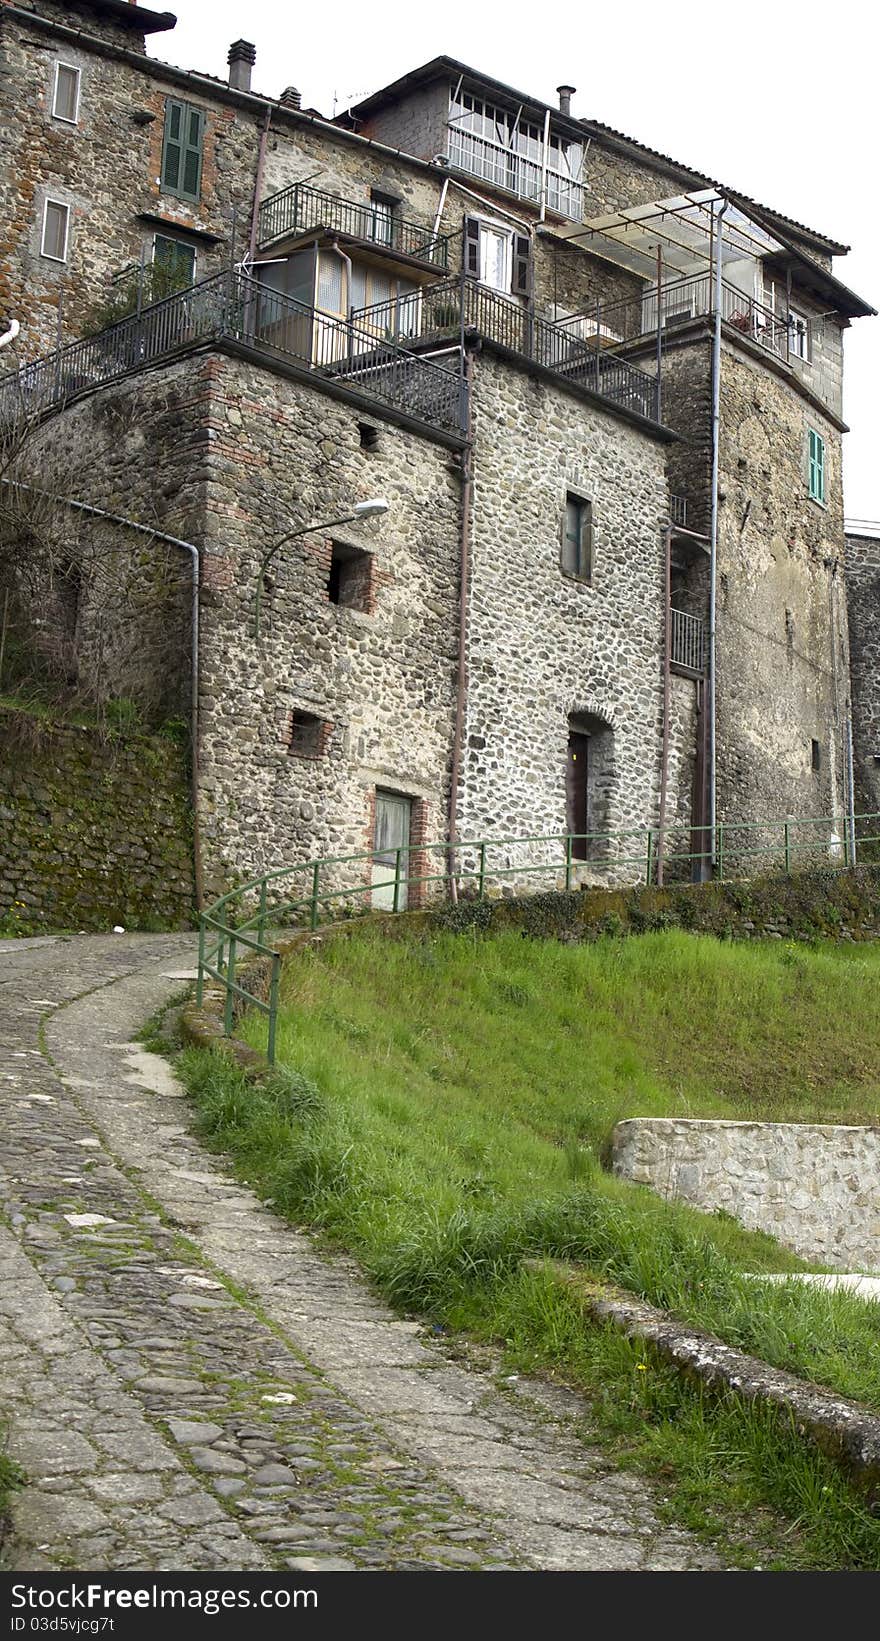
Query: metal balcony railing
689, 298
234, 307
442, 309
299, 208
688, 648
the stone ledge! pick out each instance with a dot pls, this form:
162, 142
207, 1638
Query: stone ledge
844, 1431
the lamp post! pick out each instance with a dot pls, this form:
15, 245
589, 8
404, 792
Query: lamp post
360, 510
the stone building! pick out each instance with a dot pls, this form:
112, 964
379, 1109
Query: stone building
241, 319
863, 603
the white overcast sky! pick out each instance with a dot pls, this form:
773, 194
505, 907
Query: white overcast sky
780, 102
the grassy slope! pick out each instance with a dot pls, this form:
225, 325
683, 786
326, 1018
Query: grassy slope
447, 1108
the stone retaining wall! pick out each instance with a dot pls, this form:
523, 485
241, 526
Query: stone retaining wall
94, 830
814, 1187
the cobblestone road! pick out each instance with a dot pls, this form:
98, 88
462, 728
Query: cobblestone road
190, 1385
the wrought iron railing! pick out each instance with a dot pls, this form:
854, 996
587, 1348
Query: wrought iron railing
688, 646
686, 299
299, 208
441, 310
303, 895
234, 307
678, 510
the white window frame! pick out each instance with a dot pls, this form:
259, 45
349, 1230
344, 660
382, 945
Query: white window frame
797, 318
65, 118
62, 206
491, 225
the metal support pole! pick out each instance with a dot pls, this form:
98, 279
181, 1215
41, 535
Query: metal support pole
316, 879
850, 792
659, 331
713, 531
273, 1007
230, 994
787, 850
568, 861
481, 884
200, 983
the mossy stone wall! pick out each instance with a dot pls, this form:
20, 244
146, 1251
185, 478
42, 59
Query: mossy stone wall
95, 830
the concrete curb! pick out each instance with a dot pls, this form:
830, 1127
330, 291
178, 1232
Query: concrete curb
845, 1431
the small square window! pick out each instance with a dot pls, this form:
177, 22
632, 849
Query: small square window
65, 99
308, 735
577, 537
56, 223
815, 755
351, 577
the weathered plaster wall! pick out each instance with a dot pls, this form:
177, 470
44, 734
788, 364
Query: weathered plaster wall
543, 646
863, 602
815, 1188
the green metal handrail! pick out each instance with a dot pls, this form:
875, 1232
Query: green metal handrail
223, 932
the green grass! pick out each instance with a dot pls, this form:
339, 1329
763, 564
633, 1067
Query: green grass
443, 1109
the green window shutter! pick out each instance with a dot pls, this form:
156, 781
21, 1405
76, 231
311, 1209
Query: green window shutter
172, 152
817, 466
182, 150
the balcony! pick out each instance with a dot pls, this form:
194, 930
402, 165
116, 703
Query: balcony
234, 308
579, 358
300, 209
501, 167
688, 299
688, 646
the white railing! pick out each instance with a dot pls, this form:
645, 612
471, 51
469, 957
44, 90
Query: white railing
492, 162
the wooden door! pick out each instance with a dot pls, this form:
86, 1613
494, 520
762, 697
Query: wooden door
576, 807
392, 834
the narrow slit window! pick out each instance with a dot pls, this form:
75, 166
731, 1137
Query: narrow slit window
65, 98
577, 537
56, 229
815, 755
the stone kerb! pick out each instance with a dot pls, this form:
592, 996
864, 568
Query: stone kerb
814, 1187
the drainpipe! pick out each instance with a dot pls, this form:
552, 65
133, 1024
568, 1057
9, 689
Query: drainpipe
443, 192
467, 493
258, 186
713, 528
850, 789
186, 547
667, 660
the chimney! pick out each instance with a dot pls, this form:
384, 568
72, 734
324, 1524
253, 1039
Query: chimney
566, 92
241, 58
290, 97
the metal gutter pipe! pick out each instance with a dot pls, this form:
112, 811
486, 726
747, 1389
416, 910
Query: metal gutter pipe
467, 493
667, 661
713, 526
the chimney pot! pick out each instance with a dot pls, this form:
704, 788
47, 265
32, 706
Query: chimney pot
291, 98
565, 93
241, 59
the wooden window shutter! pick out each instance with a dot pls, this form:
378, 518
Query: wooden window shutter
192, 153
522, 249
182, 149
820, 468
172, 153
472, 247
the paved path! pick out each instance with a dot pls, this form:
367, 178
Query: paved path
191, 1385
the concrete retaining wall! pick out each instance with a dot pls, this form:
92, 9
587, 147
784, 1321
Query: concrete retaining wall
816, 1188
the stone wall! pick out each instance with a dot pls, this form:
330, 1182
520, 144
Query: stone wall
94, 830
863, 603
815, 1188
782, 647
543, 647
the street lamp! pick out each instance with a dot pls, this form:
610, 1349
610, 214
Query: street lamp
360, 510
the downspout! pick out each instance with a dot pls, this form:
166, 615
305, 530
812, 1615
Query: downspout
467, 492
258, 186
439, 212
545, 147
667, 661
186, 547
713, 526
